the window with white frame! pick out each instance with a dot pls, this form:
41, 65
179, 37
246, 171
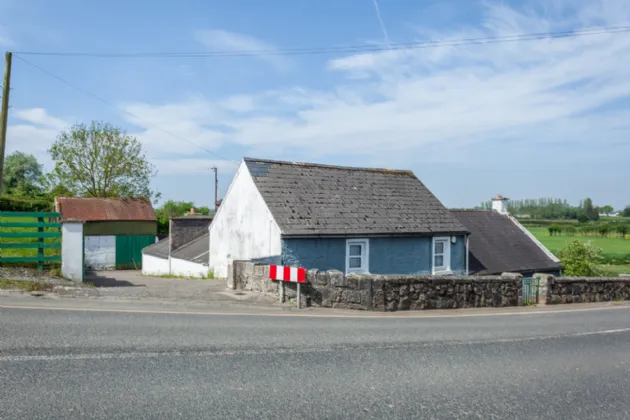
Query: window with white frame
441, 255
357, 256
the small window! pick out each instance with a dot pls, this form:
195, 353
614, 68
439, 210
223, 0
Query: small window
441, 255
357, 256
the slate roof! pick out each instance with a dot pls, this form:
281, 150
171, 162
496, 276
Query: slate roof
195, 251
319, 200
497, 245
158, 249
105, 209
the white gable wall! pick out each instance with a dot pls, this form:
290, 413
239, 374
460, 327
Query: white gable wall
243, 227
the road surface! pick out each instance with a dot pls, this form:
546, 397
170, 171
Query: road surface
73, 364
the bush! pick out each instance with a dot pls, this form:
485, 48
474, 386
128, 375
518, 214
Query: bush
581, 260
9, 203
604, 229
622, 230
570, 231
554, 229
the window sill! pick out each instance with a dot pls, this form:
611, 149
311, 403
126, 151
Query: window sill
442, 273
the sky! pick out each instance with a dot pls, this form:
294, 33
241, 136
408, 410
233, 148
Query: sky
527, 119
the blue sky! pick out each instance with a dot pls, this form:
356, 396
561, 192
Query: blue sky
525, 119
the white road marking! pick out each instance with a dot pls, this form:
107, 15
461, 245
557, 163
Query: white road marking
263, 351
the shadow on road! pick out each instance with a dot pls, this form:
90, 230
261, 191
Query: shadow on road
100, 280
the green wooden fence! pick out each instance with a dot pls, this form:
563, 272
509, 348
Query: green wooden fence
18, 229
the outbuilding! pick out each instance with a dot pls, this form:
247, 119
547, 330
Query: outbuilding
115, 230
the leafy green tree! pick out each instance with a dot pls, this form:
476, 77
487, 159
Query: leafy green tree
580, 259
582, 218
570, 231
101, 160
554, 229
622, 229
22, 173
604, 229
607, 209
589, 210
626, 212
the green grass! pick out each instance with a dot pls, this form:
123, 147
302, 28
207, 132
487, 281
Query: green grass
611, 247
614, 250
25, 285
27, 252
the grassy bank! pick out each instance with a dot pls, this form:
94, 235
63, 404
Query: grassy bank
615, 251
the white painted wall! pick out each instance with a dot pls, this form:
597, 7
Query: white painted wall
100, 252
154, 266
72, 251
243, 227
500, 205
188, 268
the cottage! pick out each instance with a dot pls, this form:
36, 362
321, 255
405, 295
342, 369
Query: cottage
499, 243
356, 220
184, 252
114, 229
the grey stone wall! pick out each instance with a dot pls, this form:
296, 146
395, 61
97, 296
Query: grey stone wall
586, 289
331, 289
187, 228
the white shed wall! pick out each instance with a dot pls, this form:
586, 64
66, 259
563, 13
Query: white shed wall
243, 228
72, 251
188, 268
100, 252
154, 266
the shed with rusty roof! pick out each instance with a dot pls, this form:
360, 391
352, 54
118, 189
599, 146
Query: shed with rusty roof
115, 230
356, 220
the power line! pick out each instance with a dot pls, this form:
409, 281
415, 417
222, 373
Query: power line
98, 98
344, 49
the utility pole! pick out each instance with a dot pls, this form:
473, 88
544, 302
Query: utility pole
6, 86
216, 187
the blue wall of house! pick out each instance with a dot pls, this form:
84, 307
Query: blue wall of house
392, 255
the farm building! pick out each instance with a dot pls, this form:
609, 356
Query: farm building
356, 220
184, 252
499, 243
115, 230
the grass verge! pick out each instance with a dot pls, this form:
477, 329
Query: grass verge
26, 285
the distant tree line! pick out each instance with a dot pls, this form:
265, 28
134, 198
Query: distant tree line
555, 209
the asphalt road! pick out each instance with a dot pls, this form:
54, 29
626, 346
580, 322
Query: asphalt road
108, 365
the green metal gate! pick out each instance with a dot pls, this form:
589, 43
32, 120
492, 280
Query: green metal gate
531, 287
30, 231
129, 250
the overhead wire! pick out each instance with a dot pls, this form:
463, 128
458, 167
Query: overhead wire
106, 102
343, 49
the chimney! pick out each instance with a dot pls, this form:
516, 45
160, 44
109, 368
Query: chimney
192, 210
500, 204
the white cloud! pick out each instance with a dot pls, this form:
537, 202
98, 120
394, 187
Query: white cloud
225, 41
40, 116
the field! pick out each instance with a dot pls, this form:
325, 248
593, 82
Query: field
615, 250
26, 252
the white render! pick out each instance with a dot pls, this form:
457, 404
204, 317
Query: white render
500, 204
72, 251
154, 266
243, 227
100, 252
187, 268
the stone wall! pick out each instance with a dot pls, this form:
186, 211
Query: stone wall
331, 289
186, 229
586, 289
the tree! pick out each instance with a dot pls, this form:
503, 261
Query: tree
607, 209
554, 229
580, 259
172, 208
626, 212
582, 218
100, 160
604, 229
22, 173
589, 210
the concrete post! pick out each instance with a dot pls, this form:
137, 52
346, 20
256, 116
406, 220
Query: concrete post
72, 250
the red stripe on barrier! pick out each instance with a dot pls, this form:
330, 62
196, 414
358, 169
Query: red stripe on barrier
287, 274
301, 275
272, 272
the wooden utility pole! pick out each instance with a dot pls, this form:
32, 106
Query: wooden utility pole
216, 187
6, 86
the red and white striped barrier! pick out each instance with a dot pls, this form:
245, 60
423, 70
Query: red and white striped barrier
284, 273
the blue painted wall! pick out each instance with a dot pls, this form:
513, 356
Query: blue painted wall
393, 255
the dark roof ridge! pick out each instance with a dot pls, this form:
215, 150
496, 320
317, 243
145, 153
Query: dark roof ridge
321, 165
471, 210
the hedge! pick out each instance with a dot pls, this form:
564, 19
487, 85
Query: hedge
8, 203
